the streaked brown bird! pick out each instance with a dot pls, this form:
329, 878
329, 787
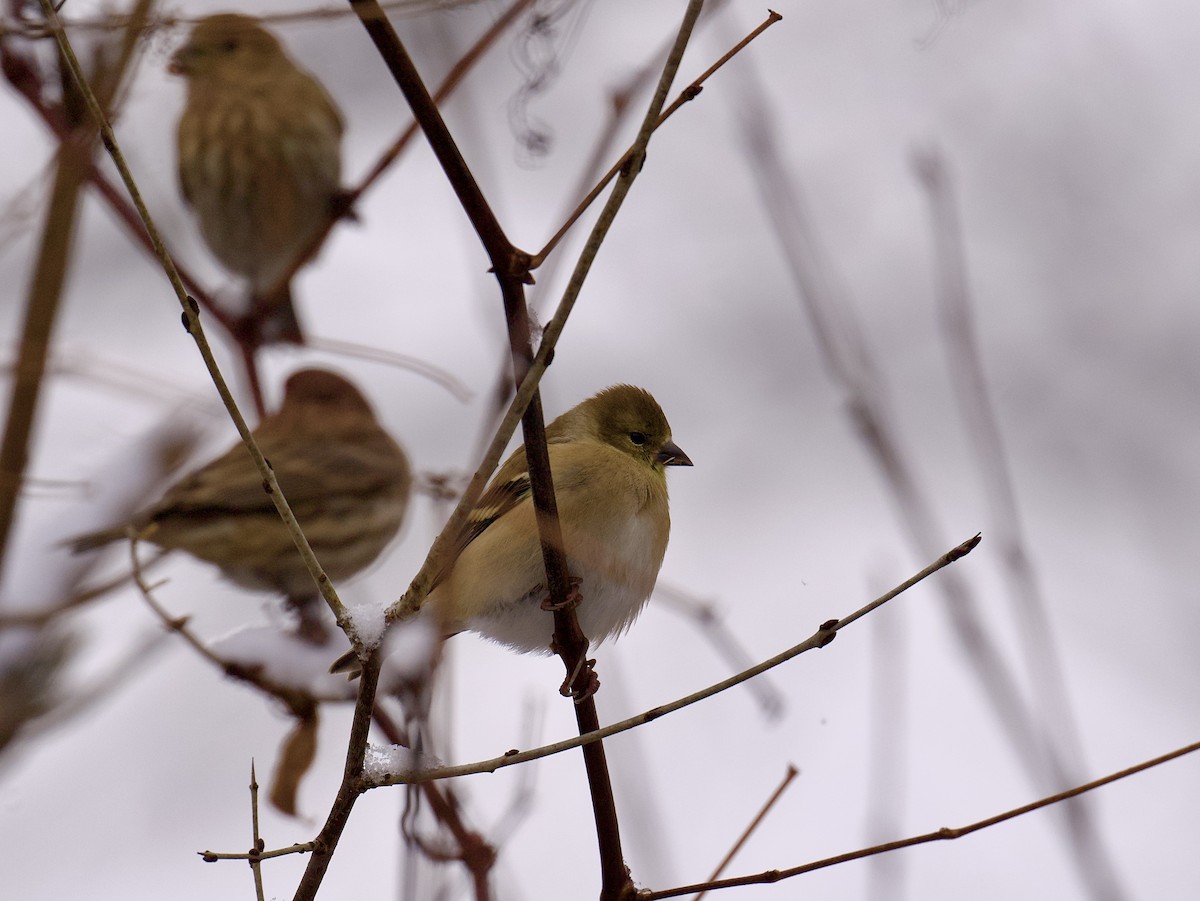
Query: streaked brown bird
346, 479
259, 147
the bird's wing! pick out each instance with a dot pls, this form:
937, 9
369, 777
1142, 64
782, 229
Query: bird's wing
232, 485
512, 487
500, 498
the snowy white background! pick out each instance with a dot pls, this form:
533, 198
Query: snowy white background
1071, 131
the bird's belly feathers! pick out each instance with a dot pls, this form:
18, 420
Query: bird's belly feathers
617, 573
264, 189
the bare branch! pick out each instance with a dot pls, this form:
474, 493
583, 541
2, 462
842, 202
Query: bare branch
691, 92
754, 824
352, 784
819, 639
301, 704
214, 856
847, 356
946, 833
255, 859
435, 374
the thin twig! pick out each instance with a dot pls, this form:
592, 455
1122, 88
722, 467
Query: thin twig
352, 195
214, 856
510, 266
42, 615
568, 640
75, 158
946, 833
300, 703
704, 615
969, 383
788, 776
445, 379
110, 21
476, 853
99, 686
845, 352
438, 557
687, 94
887, 777
29, 85
819, 639
257, 847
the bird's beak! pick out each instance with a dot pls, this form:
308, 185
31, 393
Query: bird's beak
671, 455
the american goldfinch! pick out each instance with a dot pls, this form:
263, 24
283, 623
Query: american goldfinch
608, 458
259, 160
346, 479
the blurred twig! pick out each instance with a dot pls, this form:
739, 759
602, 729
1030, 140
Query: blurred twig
100, 686
23, 74
845, 353
112, 21
29, 695
687, 94
956, 316
44, 615
46, 286
48, 651
475, 852
704, 615
435, 374
887, 765
620, 101
300, 703
944, 12
590, 183
1057, 728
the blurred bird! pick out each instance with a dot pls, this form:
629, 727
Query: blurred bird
608, 458
259, 161
345, 478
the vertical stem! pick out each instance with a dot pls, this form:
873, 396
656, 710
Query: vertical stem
351, 786
511, 269
41, 312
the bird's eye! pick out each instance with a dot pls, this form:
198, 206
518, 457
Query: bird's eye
638, 438
229, 45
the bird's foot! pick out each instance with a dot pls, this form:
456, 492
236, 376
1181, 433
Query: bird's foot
585, 673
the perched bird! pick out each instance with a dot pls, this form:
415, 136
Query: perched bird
345, 478
259, 160
607, 457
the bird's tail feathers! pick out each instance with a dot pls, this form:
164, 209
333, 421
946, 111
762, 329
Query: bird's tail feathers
272, 320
